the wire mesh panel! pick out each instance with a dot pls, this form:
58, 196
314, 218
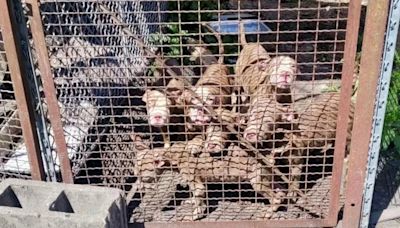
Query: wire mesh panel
203, 110
95, 60
13, 160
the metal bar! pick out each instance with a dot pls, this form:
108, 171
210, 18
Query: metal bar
380, 109
40, 117
41, 126
369, 70
22, 93
50, 92
353, 23
240, 224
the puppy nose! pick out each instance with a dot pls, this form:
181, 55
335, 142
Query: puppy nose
250, 136
286, 75
212, 146
157, 117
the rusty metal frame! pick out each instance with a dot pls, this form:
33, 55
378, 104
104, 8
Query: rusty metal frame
373, 43
21, 90
353, 23
392, 29
350, 50
348, 67
241, 224
50, 92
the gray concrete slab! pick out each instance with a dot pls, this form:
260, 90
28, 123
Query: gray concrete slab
25, 203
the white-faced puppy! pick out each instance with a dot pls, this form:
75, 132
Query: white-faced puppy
213, 89
162, 107
158, 107
282, 71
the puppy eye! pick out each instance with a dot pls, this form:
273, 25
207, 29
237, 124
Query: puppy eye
151, 103
210, 99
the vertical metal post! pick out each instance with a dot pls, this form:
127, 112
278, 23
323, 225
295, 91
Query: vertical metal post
22, 94
353, 23
380, 109
50, 92
33, 85
364, 109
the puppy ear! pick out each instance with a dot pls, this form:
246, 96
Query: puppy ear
186, 96
136, 138
169, 102
239, 119
263, 65
298, 72
214, 99
145, 97
174, 93
159, 163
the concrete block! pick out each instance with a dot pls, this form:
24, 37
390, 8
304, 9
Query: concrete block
26, 203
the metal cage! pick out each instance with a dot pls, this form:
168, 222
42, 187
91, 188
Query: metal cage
206, 110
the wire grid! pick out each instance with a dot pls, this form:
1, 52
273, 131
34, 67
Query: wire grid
100, 56
12, 162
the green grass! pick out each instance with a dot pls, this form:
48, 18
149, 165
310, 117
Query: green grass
391, 129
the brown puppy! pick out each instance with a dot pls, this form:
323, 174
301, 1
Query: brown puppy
264, 117
162, 109
217, 133
214, 89
196, 170
251, 66
315, 130
282, 71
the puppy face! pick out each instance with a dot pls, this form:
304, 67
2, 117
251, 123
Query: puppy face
215, 139
261, 123
197, 113
158, 107
195, 146
258, 128
263, 64
148, 165
282, 71
260, 120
